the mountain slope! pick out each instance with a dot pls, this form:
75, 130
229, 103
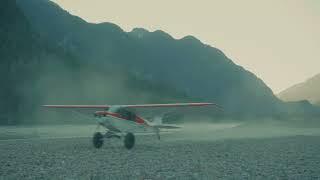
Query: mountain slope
51, 57
21, 53
36, 71
308, 90
187, 65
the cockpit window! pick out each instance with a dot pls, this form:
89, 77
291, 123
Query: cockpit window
126, 114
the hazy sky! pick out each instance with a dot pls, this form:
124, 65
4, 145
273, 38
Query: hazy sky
278, 40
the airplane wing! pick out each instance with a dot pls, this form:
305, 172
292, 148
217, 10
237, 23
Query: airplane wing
77, 111
155, 109
84, 109
78, 106
132, 106
170, 105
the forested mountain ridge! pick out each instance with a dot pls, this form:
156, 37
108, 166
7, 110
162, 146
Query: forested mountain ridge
49, 56
35, 71
193, 68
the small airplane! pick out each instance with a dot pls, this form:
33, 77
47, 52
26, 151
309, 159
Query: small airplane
121, 121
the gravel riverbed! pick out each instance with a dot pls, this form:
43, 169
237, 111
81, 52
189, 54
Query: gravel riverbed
295, 157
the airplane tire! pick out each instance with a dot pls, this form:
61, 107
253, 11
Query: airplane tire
97, 140
129, 140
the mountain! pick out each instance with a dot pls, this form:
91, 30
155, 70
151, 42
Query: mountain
36, 71
308, 90
22, 53
189, 66
52, 57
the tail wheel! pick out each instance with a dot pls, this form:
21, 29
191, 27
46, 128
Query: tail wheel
129, 140
97, 140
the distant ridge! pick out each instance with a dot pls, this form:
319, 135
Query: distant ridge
308, 90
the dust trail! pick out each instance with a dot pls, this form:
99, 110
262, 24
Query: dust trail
201, 131
236, 130
189, 131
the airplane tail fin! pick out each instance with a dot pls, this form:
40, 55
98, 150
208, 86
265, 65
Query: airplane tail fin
157, 123
157, 120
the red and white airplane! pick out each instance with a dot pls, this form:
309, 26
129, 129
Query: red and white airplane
121, 121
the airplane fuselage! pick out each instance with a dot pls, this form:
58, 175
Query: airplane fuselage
118, 122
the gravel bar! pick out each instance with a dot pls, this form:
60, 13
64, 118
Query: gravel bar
296, 157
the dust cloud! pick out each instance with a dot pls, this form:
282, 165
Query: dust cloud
205, 131
190, 131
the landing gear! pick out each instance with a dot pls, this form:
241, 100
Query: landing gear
129, 140
157, 133
97, 140
111, 134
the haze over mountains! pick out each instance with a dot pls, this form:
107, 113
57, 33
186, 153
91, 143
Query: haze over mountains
308, 90
22, 54
52, 57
